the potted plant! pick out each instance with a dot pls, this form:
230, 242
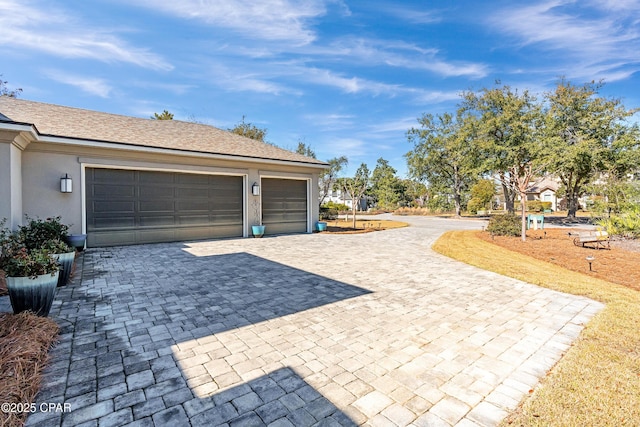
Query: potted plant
76, 240
64, 255
31, 276
37, 232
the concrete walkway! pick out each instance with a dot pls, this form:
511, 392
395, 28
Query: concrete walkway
301, 330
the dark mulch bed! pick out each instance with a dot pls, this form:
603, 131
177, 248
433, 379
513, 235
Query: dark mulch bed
620, 264
25, 340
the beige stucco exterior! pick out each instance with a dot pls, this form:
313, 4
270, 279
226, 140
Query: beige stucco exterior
11, 146
31, 167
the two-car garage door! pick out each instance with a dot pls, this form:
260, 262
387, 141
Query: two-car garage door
125, 207
133, 206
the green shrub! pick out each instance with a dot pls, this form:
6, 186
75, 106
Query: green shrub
340, 207
37, 232
626, 224
24, 263
475, 205
505, 225
535, 206
328, 214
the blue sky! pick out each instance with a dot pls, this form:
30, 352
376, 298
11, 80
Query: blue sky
346, 77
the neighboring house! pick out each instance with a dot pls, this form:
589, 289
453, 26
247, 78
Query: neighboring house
141, 181
544, 190
339, 196
344, 198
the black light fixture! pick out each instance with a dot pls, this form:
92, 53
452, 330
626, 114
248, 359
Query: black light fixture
590, 259
255, 189
66, 184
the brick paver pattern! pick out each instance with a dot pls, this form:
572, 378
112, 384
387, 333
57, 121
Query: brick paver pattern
300, 330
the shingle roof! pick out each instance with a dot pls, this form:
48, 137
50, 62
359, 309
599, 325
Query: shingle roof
542, 184
75, 123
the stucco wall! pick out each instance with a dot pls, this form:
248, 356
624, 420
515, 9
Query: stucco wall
45, 163
10, 180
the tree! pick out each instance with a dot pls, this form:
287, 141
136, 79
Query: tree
386, 187
329, 176
249, 130
588, 136
356, 187
509, 125
5, 91
444, 154
482, 193
415, 192
305, 150
165, 115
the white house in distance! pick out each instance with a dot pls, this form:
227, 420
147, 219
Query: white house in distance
344, 198
544, 190
137, 180
340, 197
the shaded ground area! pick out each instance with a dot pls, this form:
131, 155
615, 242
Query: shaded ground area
620, 264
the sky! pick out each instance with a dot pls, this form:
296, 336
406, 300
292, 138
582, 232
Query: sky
344, 77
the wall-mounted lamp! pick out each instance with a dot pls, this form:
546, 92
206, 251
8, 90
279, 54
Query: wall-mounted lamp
255, 189
66, 184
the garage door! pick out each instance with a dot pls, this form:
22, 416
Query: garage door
284, 205
129, 207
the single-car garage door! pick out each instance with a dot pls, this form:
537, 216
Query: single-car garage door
284, 205
130, 206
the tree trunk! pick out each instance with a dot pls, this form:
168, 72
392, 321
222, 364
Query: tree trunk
523, 210
509, 198
353, 206
572, 205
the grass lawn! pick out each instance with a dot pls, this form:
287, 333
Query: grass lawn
597, 382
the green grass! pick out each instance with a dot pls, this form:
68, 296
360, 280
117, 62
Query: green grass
597, 382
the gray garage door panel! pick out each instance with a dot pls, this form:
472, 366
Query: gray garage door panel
130, 207
284, 205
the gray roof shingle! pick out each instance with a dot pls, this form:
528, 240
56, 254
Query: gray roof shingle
75, 123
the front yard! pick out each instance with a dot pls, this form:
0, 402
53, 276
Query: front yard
597, 382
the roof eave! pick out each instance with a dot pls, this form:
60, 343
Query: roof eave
37, 136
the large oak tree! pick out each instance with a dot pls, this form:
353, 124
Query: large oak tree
589, 137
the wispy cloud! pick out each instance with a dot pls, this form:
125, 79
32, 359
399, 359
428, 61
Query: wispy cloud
241, 79
330, 121
393, 126
178, 89
282, 20
410, 15
26, 25
594, 42
353, 148
398, 54
91, 85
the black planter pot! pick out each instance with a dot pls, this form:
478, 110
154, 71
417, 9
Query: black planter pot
32, 294
77, 241
66, 265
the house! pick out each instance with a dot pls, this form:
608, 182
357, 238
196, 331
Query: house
343, 197
139, 180
339, 196
544, 190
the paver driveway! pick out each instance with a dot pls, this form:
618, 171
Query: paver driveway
372, 329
